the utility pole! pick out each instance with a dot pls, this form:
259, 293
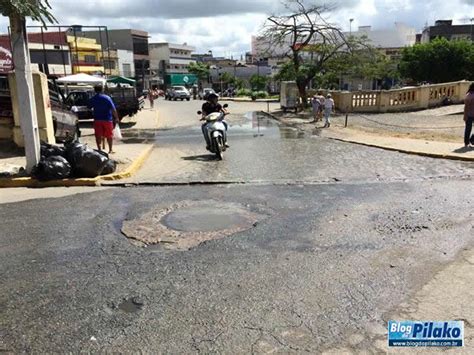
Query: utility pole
25, 93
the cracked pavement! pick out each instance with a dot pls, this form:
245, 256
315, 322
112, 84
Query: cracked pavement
355, 238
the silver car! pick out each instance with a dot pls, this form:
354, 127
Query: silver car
180, 93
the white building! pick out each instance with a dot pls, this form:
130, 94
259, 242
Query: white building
170, 58
126, 63
390, 41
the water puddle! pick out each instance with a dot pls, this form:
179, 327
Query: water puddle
187, 224
252, 124
131, 305
206, 218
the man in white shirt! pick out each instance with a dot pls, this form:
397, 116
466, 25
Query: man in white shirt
329, 107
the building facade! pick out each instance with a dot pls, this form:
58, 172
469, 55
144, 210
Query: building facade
49, 53
446, 29
86, 55
170, 58
389, 41
128, 40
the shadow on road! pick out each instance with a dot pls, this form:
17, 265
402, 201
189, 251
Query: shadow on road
90, 124
464, 150
204, 157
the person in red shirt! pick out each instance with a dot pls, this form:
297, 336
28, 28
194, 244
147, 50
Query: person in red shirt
469, 116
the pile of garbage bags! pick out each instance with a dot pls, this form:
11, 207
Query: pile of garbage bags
73, 160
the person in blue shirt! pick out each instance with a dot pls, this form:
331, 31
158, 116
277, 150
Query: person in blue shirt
105, 117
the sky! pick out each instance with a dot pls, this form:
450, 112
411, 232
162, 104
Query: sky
226, 26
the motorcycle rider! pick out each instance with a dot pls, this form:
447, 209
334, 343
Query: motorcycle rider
210, 106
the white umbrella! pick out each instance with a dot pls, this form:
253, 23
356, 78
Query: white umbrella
81, 78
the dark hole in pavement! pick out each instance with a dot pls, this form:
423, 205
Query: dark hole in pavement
206, 218
131, 305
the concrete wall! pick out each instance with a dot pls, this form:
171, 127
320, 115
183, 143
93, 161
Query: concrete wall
43, 109
159, 52
407, 99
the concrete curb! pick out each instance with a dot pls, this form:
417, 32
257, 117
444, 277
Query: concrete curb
405, 151
33, 183
393, 149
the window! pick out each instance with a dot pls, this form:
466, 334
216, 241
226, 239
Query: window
127, 70
90, 59
109, 64
140, 45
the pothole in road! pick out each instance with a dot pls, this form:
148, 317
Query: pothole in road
131, 305
187, 224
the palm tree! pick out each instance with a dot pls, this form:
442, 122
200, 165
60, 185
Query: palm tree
17, 11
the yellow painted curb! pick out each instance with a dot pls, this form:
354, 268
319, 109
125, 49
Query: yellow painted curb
33, 183
132, 169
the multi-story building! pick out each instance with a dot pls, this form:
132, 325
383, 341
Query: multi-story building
49, 53
127, 41
446, 29
389, 41
170, 61
174, 58
86, 55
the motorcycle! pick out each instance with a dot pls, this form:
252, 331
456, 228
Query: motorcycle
216, 130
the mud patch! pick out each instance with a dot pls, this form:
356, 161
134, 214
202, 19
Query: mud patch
187, 224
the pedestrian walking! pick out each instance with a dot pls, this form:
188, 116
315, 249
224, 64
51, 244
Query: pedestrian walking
105, 117
152, 95
469, 116
318, 105
329, 107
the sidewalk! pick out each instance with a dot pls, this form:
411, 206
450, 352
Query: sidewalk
130, 157
446, 150
436, 133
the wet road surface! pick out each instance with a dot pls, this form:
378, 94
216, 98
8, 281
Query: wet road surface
315, 265
264, 151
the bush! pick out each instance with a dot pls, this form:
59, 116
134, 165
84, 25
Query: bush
244, 92
260, 94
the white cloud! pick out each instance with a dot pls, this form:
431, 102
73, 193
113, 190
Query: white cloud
226, 26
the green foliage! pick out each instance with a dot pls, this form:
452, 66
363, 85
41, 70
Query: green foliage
260, 94
38, 10
238, 83
438, 61
258, 82
227, 78
244, 93
200, 70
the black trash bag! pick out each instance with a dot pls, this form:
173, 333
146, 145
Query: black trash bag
52, 168
49, 150
86, 162
74, 150
110, 167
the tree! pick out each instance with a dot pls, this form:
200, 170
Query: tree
201, 70
17, 11
363, 61
308, 39
38, 10
438, 61
258, 82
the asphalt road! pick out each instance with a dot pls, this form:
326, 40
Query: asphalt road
344, 235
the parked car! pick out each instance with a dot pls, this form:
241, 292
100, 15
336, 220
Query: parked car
78, 101
65, 123
125, 99
177, 93
205, 93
